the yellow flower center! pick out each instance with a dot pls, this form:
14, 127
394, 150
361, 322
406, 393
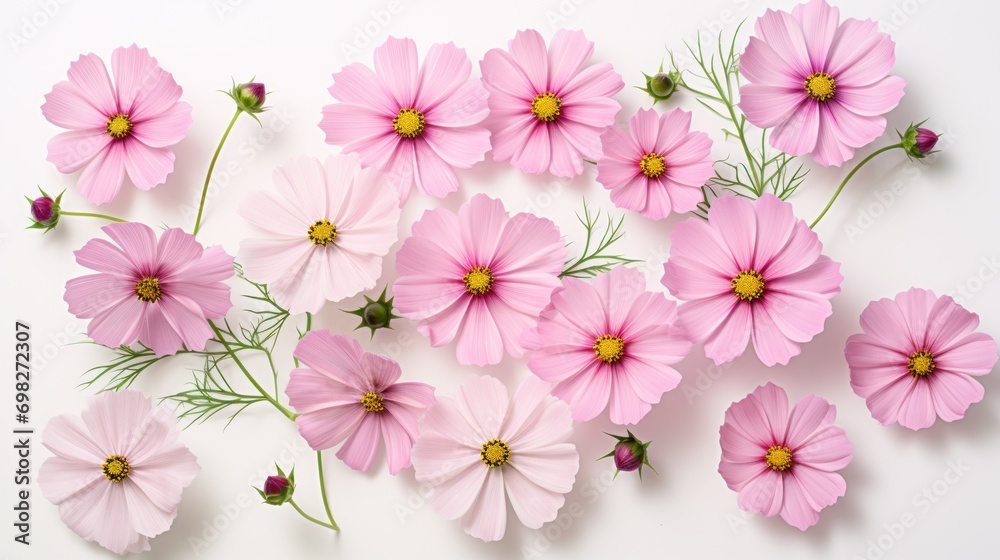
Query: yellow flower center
609, 349
821, 86
409, 123
372, 402
748, 285
495, 453
115, 468
652, 165
322, 232
546, 106
148, 289
119, 126
921, 364
779, 458
478, 281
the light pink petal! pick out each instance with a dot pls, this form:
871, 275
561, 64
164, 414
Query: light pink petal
533, 505
544, 255
274, 215
916, 411
327, 427
176, 249
553, 467
565, 160
798, 134
61, 479
310, 391
626, 406
482, 224
509, 138
872, 100
730, 340
802, 250
809, 414
157, 333
381, 372
530, 402
949, 325
358, 85
67, 106
487, 518
527, 48
953, 393
690, 280
819, 22
632, 195
69, 438
828, 450
89, 75
145, 516
266, 260
735, 219
453, 495
445, 418
597, 112
165, 129
738, 474
701, 318
434, 176
396, 65
445, 69
69, 151
586, 393
90, 294
144, 89
397, 444
344, 123
840, 125
103, 177
599, 80
338, 356
535, 154
797, 510
860, 54
785, 35
408, 394
769, 342
467, 106
799, 315
458, 147
358, 452
568, 52
763, 494
117, 325
767, 106
974, 354
760, 64
187, 318
147, 167
502, 73
697, 240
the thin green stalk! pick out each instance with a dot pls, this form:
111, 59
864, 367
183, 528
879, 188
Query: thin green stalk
91, 215
848, 178
211, 168
322, 490
222, 339
309, 326
311, 518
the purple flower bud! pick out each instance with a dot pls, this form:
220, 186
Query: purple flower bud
278, 489
255, 93
43, 210
926, 140
249, 97
626, 459
275, 485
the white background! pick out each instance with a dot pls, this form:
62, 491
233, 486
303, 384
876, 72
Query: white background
936, 232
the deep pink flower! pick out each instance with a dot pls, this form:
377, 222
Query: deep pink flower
344, 393
548, 108
917, 357
819, 84
780, 462
118, 470
659, 166
114, 129
327, 231
610, 340
752, 271
416, 123
161, 294
481, 448
481, 275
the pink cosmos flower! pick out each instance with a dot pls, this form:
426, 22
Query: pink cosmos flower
917, 357
118, 470
783, 463
328, 229
159, 293
482, 448
659, 166
114, 129
752, 271
417, 123
608, 340
820, 84
548, 108
346, 393
482, 276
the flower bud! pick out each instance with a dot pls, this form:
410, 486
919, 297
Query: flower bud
630, 454
926, 140
375, 314
275, 485
278, 489
918, 142
661, 85
44, 211
249, 97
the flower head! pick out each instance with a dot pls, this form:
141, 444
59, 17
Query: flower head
416, 123
659, 166
45, 211
661, 85
161, 293
483, 448
249, 97
820, 84
343, 393
548, 107
630, 454
919, 142
608, 341
784, 462
917, 358
278, 489
752, 271
481, 275
118, 470
116, 128
327, 231
375, 313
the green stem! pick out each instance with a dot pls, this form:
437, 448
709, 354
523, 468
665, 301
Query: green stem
211, 168
91, 215
309, 323
222, 339
848, 178
322, 490
311, 518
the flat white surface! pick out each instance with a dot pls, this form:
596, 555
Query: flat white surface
935, 232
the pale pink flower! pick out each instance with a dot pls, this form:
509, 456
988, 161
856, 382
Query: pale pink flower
343, 393
118, 470
481, 275
416, 123
659, 166
753, 270
548, 107
481, 448
116, 128
780, 462
819, 84
327, 231
916, 359
610, 340
159, 293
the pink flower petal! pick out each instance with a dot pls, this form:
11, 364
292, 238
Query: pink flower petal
345, 123
874, 99
147, 167
785, 35
553, 468
358, 85
796, 508
467, 106
535, 155
61, 479
527, 48
586, 393
769, 342
730, 340
434, 176
166, 128
358, 452
533, 505
117, 325
446, 68
798, 134
767, 106
760, 64
397, 445
487, 518
90, 294
72, 150
381, 372
144, 89
67, 106
89, 75
764, 494
598, 80
819, 22
860, 54
953, 393
396, 64
103, 177
975, 354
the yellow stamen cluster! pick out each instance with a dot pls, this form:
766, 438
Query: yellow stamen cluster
609, 349
779, 458
119, 126
409, 123
148, 289
372, 402
652, 165
546, 106
821, 86
322, 232
495, 453
115, 468
921, 364
478, 281
748, 285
